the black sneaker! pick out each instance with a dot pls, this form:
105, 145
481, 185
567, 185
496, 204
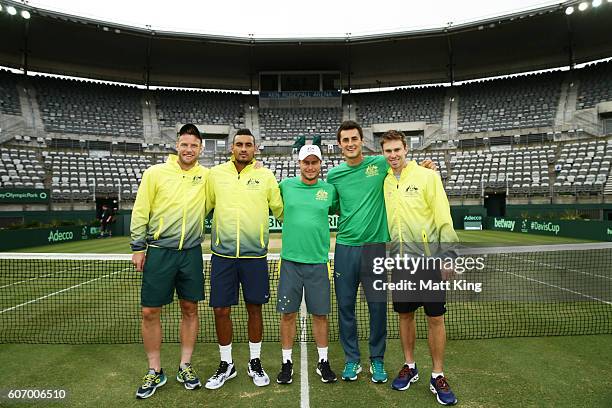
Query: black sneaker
325, 371
286, 373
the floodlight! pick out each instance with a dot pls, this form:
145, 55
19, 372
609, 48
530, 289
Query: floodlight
569, 10
25, 14
11, 10
0, 7
583, 6
596, 3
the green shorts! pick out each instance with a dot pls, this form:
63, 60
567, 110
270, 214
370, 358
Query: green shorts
167, 269
311, 279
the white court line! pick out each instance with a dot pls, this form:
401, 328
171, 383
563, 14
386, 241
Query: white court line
555, 286
561, 268
62, 291
42, 276
304, 393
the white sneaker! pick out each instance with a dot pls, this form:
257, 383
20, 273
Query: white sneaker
225, 372
256, 371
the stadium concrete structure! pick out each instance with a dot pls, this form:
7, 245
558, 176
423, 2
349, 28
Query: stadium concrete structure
540, 138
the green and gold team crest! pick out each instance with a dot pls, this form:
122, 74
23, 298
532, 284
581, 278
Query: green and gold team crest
371, 170
322, 195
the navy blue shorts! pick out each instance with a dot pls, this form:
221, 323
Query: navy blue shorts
226, 274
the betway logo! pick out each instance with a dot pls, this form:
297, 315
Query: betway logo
506, 224
58, 236
546, 226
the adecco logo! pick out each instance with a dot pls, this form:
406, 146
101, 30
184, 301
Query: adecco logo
504, 224
472, 218
58, 236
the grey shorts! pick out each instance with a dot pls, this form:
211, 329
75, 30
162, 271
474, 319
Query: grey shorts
312, 279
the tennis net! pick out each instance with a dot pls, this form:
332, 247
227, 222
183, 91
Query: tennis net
95, 298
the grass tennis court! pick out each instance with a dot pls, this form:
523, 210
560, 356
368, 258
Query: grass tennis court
560, 371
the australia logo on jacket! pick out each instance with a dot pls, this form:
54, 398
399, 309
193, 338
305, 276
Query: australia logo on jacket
196, 180
411, 190
252, 183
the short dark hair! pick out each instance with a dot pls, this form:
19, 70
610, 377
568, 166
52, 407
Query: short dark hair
393, 135
349, 125
190, 129
244, 132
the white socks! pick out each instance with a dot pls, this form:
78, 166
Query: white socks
322, 353
287, 355
436, 375
226, 353
255, 349
411, 365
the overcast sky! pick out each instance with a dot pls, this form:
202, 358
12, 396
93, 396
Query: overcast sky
288, 18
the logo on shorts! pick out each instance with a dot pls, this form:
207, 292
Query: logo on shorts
322, 195
371, 170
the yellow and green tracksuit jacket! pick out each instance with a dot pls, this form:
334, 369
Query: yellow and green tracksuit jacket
170, 207
418, 213
241, 201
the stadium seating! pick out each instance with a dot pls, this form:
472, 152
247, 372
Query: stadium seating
287, 124
583, 167
81, 107
405, 105
75, 176
521, 171
207, 108
513, 103
9, 98
595, 85
20, 169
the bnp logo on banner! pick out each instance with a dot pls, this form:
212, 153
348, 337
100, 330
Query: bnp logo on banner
58, 236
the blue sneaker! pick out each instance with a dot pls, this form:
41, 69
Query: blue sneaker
377, 369
405, 377
150, 382
439, 386
351, 369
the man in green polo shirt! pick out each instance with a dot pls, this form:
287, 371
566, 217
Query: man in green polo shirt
307, 202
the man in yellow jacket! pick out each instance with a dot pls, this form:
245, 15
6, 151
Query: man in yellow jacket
242, 195
167, 228
419, 221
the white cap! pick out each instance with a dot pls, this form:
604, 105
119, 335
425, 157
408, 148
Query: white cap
307, 150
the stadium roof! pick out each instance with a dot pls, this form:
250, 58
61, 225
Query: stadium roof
537, 39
